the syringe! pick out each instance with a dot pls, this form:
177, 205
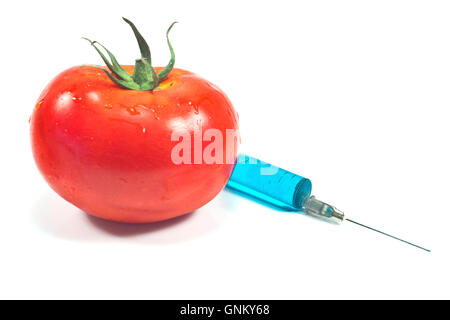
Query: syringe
286, 190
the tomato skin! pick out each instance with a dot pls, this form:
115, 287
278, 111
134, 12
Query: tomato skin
107, 150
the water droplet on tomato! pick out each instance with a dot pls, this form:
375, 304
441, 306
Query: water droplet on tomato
195, 109
108, 105
155, 115
133, 111
38, 105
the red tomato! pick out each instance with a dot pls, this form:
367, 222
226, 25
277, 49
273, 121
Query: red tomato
107, 149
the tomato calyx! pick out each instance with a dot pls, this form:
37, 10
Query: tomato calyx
144, 77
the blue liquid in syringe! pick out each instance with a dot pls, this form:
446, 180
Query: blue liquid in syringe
268, 183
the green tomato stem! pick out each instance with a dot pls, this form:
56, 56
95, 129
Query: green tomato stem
144, 77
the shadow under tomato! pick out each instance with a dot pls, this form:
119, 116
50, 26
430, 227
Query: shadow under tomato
58, 218
130, 229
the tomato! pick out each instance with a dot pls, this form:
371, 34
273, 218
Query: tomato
109, 150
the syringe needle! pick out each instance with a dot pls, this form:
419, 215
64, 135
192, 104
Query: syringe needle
319, 208
362, 225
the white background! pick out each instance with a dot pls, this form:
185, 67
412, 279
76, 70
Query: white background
352, 94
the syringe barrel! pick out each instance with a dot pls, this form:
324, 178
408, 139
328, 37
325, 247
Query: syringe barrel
270, 184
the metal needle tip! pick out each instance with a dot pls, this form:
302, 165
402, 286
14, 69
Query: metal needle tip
360, 224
